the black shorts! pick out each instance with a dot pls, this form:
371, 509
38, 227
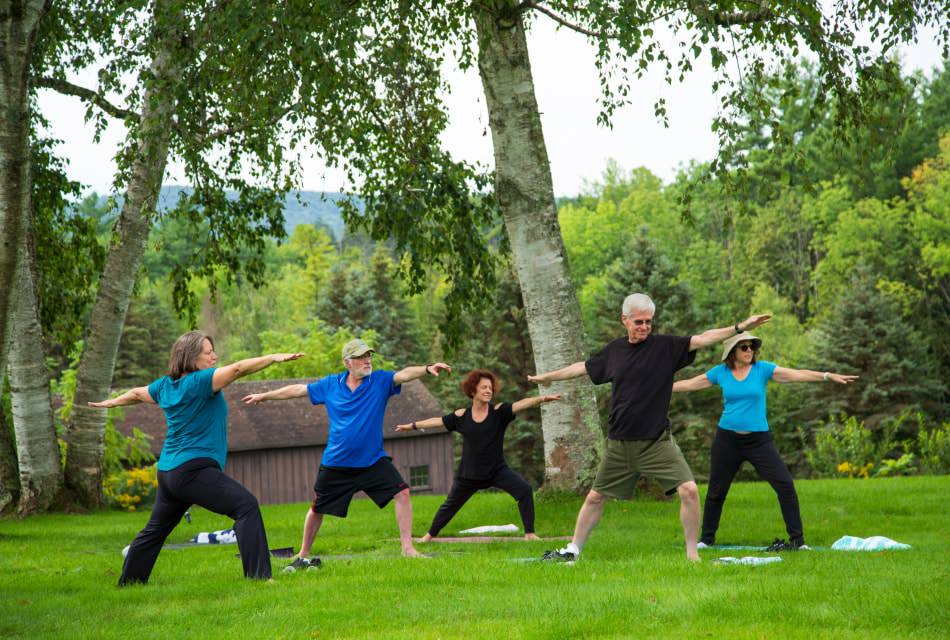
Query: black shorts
335, 486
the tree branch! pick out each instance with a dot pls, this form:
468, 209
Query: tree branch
528, 4
90, 96
701, 10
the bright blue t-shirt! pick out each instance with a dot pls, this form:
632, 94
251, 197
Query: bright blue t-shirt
356, 417
743, 402
197, 419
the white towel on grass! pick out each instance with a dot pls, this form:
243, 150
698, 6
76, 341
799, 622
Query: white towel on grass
493, 528
225, 536
750, 560
874, 543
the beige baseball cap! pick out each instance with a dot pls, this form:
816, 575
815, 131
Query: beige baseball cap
356, 348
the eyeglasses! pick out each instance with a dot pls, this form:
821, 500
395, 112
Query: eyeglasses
365, 356
745, 346
641, 323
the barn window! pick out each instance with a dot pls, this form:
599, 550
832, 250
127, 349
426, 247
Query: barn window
419, 476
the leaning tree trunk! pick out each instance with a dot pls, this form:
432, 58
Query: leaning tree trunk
525, 194
41, 475
19, 22
9, 480
94, 379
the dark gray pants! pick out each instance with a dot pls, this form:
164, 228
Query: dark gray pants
463, 489
201, 482
729, 451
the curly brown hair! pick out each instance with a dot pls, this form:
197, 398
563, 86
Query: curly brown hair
470, 383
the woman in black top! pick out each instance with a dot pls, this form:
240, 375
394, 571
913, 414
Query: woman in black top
483, 460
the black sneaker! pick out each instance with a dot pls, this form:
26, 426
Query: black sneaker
559, 555
303, 563
780, 545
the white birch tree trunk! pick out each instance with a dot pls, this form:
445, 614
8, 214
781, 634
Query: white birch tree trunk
86, 427
9, 484
41, 475
525, 194
19, 21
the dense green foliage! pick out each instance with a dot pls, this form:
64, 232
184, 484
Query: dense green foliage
58, 572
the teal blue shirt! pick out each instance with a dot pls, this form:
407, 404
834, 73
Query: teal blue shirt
197, 419
743, 402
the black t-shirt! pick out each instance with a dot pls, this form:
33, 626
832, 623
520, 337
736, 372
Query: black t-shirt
642, 374
482, 442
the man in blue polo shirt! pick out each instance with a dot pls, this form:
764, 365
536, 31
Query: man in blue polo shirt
354, 459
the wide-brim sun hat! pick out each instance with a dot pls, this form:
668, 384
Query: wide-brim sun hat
745, 336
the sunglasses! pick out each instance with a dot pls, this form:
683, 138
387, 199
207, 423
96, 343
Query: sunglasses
747, 347
641, 323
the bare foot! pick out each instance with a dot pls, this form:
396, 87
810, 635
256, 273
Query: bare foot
426, 538
531, 536
411, 553
693, 557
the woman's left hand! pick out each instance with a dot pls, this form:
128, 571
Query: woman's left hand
284, 357
100, 405
551, 398
841, 378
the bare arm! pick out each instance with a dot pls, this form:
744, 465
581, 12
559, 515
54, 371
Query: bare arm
132, 396
284, 393
428, 423
569, 372
414, 373
715, 336
530, 403
223, 376
781, 374
693, 384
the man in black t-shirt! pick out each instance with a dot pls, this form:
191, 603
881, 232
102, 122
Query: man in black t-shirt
641, 366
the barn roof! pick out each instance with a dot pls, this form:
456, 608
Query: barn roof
286, 423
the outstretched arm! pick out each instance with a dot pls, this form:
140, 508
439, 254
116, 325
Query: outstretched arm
223, 376
530, 403
693, 384
413, 373
132, 396
781, 374
569, 372
284, 393
428, 423
715, 336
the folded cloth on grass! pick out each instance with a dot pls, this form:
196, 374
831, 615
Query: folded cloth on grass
874, 543
750, 560
225, 536
493, 528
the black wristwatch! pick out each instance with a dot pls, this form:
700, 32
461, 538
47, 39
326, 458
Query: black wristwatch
738, 330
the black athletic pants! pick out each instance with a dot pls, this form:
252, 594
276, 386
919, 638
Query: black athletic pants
729, 451
201, 482
463, 489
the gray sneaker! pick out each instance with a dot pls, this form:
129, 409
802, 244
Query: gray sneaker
303, 563
559, 555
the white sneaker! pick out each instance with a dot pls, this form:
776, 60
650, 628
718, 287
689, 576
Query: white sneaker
703, 545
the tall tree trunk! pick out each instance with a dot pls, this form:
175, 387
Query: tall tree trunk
9, 478
41, 476
94, 379
572, 435
19, 21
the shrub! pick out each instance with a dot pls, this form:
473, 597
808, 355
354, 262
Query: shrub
843, 445
934, 449
132, 488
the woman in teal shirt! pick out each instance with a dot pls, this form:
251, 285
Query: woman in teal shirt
743, 432
191, 465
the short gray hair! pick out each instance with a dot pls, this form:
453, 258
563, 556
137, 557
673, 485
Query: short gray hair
638, 302
185, 353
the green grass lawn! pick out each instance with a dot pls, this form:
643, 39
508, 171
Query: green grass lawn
58, 574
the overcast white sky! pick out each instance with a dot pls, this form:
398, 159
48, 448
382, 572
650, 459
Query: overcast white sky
567, 89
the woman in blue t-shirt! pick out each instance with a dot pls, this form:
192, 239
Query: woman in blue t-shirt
191, 465
743, 432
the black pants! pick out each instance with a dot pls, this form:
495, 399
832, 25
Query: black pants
201, 482
463, 489
729, 451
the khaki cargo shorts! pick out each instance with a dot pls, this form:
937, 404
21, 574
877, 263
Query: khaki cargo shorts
625, 461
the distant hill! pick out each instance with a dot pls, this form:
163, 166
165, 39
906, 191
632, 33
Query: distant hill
300, 207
